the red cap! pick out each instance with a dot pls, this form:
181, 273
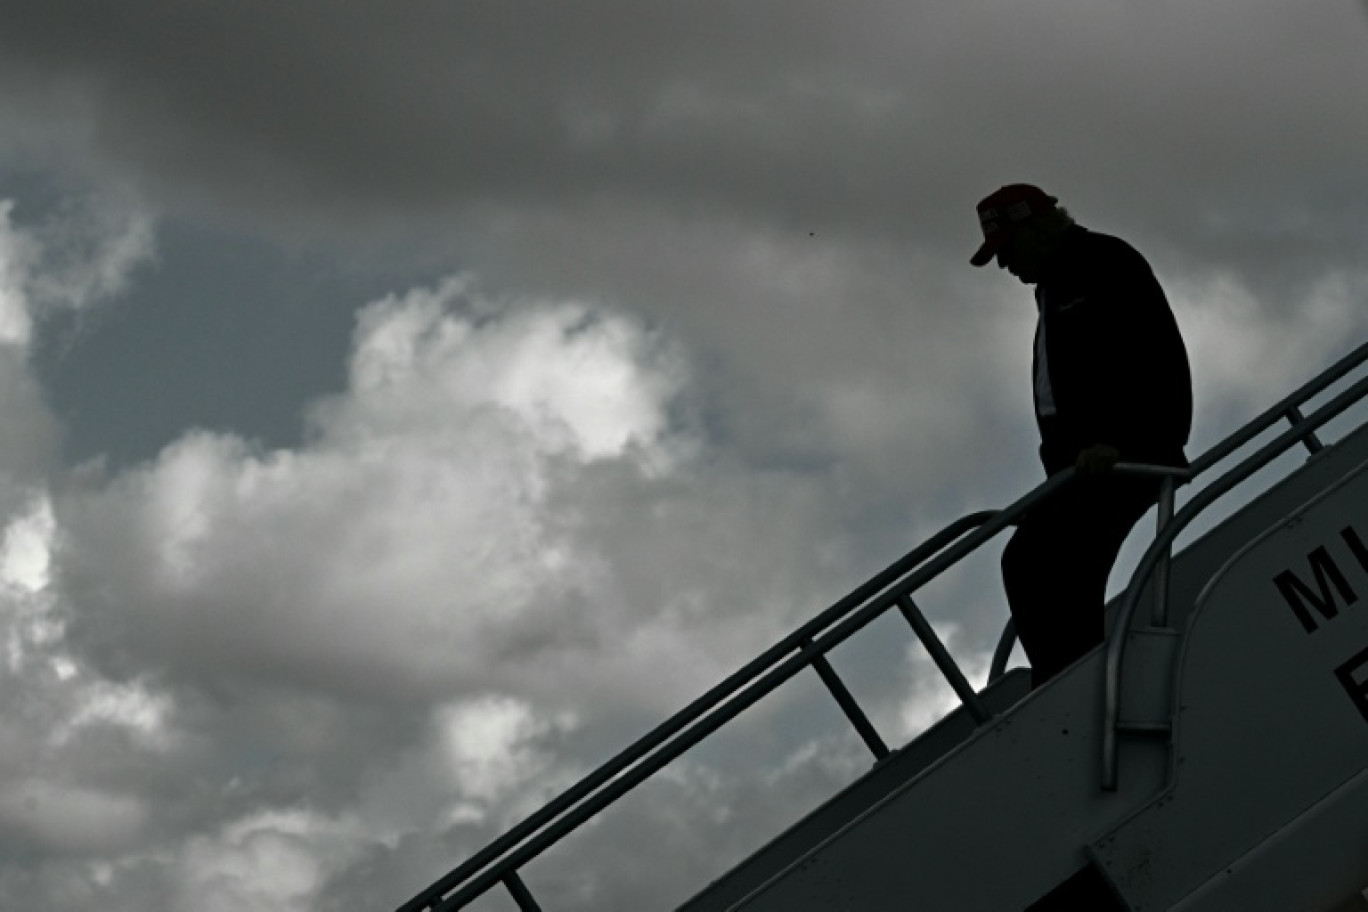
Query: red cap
1002, 211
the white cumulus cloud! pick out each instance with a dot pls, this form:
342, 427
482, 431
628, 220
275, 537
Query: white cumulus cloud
414, 539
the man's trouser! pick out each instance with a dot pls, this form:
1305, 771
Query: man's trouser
1056, 565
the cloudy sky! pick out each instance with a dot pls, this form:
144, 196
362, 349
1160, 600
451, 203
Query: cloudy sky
403, 405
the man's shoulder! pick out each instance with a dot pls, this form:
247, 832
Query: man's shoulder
1105, 249
1101, 267
1104, 253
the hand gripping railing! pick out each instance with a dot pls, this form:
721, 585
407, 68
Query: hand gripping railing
500, 861
1302, 431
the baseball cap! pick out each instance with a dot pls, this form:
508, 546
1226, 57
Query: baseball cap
1001, 211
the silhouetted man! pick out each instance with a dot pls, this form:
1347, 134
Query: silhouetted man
1111, 384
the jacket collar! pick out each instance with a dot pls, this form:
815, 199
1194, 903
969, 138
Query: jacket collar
1063, 254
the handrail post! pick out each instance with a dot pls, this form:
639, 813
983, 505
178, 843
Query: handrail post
1296, 418
1003, 652
521, 895
1161, 571
846, 701
941, 656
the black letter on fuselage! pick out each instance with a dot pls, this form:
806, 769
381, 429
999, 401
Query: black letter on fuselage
1294, 590
1356, 545
1356, 688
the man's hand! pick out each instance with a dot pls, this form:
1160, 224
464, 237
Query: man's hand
1096, 459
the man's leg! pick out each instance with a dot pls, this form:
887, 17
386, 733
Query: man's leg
1056, 565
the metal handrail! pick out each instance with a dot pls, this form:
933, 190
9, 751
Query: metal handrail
668, 729
933, 566
1279, 412
998, 667
932, 554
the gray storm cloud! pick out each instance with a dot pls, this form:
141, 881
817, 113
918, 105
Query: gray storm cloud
788, 184
875, 117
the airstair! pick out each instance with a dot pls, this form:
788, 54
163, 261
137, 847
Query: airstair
1211, 755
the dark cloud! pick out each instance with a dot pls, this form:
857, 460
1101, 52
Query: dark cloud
877, 116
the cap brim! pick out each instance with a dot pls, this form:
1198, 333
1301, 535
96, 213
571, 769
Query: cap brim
986, 253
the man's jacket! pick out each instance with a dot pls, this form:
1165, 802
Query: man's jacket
1116, 365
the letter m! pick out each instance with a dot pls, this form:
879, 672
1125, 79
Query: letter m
1298, 595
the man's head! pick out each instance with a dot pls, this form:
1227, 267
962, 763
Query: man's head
1021, 226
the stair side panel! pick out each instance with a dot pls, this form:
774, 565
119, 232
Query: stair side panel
1268, 722
997, 826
